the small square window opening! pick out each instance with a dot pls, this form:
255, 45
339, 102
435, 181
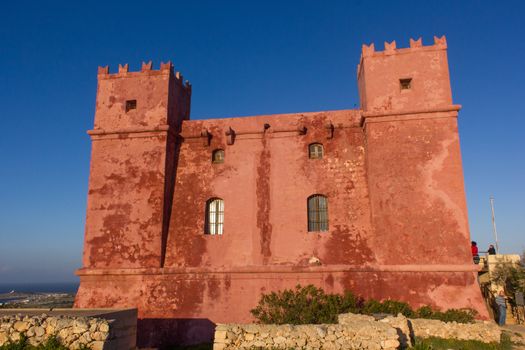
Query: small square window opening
315, 151
131, 104
217, 156
405, 84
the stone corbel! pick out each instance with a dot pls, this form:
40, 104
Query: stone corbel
330, 130
205, 134
230, 136
302, 130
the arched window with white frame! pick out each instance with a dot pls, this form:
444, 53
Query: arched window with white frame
214, 217
317, 213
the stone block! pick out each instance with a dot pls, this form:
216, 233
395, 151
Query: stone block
21, 326
220, 335
321, 331
97, 345
63, 333
14, 336
104, 327
390, 344
349, 318
39, 331
3, 338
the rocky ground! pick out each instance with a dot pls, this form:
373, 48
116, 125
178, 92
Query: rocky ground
517, 335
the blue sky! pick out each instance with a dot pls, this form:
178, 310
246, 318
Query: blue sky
243, 58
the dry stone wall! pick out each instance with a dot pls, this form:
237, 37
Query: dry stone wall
72, 331
359, 335
399, 323
352, 332
484, 331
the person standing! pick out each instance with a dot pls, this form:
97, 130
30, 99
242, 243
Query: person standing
502, 307
475, 255
491, 250
474, 248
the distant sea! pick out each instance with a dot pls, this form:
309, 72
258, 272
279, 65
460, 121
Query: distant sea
60, 287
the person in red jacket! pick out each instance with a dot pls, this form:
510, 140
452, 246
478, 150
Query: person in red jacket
474, 248
475, 255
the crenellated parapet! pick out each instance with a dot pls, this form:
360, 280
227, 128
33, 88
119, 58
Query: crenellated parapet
146, 70
390, 48
402, 80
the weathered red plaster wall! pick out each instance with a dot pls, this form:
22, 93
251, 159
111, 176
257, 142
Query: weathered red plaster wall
413, 168
391, 171
125, 203
265, 181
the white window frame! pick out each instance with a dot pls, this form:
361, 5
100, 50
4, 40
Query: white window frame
214, 216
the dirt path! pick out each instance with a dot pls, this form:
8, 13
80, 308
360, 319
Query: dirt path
517, 334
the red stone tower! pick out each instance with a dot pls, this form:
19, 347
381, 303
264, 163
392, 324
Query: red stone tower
132, 165
415, 176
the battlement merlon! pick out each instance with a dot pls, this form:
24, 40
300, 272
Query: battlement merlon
146, 70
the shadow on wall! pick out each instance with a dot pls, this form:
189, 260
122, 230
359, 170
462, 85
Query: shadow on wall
166, 332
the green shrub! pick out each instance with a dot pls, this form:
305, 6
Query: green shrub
311, 305
460, 316
391, 307
304, 305
451, 315
424, 312
511, 276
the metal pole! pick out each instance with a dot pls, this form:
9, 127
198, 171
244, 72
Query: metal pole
494, 224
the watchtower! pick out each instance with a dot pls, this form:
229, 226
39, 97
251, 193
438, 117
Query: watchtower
132, 165
413, 156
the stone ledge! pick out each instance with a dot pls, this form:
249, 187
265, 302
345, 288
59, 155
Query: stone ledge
265, 269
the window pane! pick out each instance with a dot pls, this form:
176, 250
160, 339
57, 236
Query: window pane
315, 151
218, 156
214, 216
317, 213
